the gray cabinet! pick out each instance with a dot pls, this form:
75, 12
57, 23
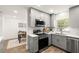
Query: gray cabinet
59, 41
62, 42
49, 41
2, 48
55, 40
78, 46
72, 44
32, 44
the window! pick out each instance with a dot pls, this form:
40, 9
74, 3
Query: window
61, 20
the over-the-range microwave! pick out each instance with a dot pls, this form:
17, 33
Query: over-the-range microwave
39, 23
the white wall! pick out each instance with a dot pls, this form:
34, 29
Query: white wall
11, 20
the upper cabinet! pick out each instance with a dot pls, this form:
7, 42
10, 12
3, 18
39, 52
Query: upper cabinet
47, 20
36, 14
74, 16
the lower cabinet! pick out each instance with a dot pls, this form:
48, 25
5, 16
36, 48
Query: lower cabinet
59, 41
69, 44
35, 44
62, 42
32, 44
49, 39
73, 45
55, 40
2, 49
78, 46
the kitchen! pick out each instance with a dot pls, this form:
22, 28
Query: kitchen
62, 34
41, 27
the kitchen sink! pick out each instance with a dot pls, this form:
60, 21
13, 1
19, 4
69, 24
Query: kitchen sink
60, 33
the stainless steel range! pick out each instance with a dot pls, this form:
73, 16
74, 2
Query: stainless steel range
42, 35
42, 39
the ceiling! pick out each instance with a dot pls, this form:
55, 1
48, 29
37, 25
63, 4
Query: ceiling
46, 8
52, 8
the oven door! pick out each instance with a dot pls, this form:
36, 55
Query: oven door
42, 43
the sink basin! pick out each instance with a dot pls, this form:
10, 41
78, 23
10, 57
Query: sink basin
60, 33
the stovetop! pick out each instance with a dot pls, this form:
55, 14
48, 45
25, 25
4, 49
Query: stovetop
41, 35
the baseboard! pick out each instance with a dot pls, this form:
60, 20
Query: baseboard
10, 39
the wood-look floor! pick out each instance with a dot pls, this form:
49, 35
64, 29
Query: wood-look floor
19, 49
53, 49
23, 49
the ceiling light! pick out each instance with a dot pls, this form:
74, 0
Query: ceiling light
51, 11
15, 11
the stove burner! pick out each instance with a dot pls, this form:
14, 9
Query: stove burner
41, 35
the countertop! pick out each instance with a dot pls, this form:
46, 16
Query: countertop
65, 34
33, 35
57, 33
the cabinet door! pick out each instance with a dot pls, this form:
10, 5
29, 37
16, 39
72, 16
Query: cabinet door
62, 42
35, 44
2, 49
59, 41
32, 44
55, 40
71, 45
50, 39
77, 45
34, 14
